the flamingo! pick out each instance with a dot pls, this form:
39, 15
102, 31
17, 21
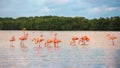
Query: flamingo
111, 37
84, 39
74, 38
56, 41
48, 42
22, 38
38, 39
12, 39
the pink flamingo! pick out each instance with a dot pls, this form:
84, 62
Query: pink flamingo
84, 39
12, 39
56, 41
111, 37
23, 38
24, 48
48, 42
74, 38
38, 40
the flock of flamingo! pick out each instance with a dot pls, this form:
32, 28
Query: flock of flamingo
37, 40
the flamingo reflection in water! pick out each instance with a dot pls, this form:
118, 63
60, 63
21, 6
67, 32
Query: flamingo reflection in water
111, 37
38, 50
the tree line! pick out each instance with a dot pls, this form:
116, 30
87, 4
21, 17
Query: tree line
60, 23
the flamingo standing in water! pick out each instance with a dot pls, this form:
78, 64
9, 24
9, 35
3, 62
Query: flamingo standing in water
56, 41
111, 37
74, 38
48, 42
12, 39
23, 38
84, 39
38, 39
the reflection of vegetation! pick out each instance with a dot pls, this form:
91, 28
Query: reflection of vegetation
60, 23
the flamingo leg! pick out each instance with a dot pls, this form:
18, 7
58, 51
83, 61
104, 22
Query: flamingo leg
83, 43
45, 44
20, 42
112, 42
11, 44
55, 44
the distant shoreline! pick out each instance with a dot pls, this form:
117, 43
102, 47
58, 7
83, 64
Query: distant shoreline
64, 30
61, 23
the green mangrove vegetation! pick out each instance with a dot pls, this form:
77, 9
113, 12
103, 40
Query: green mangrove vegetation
60, 23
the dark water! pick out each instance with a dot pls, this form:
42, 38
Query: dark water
99, 53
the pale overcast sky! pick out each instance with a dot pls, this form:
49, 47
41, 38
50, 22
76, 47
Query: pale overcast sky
72, 8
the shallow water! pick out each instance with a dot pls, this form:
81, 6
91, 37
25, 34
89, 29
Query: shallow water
99, 53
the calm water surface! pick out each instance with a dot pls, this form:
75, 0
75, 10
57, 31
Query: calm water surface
99, 53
